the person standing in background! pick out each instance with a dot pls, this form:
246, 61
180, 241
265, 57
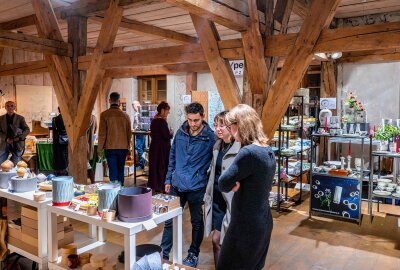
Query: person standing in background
13, 131
217, 204
250, 176
60, 146
189, 160
140, 140
115, 137
160, 146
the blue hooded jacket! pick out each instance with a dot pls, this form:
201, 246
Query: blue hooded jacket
190, 158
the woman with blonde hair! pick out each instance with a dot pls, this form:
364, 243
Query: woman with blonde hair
217, 204
250, 176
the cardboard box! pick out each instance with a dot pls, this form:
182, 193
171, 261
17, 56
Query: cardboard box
29, 212
171, 202
22, 245
34, 233
14, 230
31, 240
25, 221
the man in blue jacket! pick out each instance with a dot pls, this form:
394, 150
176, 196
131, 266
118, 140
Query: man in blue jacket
189, 159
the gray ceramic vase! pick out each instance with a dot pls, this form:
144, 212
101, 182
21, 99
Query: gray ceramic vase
108, 196
134, 204
17, 184
63, 190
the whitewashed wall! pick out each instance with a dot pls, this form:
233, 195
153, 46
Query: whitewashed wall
375, 85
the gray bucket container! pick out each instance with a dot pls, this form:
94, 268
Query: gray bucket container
134, 204
18, 184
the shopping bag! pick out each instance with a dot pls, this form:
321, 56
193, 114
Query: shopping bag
99, 173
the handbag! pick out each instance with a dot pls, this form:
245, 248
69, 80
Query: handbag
99, 171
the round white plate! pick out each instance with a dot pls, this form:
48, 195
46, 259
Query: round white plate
381, 192
333, 162
351, 135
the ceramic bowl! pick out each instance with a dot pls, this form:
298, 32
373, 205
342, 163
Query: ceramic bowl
18, 184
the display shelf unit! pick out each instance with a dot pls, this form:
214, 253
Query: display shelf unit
27, 199
129, 230
283, 139
371, 194
336, 196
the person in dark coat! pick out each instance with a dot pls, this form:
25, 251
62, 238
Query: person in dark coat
60, 146
250, 176
160, 146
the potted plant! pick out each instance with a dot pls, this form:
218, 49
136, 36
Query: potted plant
385, 134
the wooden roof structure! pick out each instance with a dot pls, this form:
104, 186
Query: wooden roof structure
86, 43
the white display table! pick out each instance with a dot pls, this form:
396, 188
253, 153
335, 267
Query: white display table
27, 198
129, 230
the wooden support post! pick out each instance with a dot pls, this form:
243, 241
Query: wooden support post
320, 16
191, 82
77, 36
220, 68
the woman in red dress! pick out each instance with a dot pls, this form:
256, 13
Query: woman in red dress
160, 146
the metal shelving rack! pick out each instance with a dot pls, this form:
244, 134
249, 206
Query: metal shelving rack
284, 132
371, 195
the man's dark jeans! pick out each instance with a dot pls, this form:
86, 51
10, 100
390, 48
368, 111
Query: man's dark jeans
116, 162
195, 201
140, 145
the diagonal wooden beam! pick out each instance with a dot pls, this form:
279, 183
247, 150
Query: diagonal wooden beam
34, 44
220, 68
320, 16
95, 72
59, 66
215, 12
142, 28
254, 52
283, 9
301, 8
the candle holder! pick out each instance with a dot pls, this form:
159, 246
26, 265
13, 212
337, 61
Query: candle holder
348, 163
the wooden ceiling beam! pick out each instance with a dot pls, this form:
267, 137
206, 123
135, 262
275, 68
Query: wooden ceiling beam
95, 73
142, 28
347, 39
296, 64
254, 52
25, 68
34, 44
156, 70
157, 56
215, 12
19, 23
220, 68
371, 56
